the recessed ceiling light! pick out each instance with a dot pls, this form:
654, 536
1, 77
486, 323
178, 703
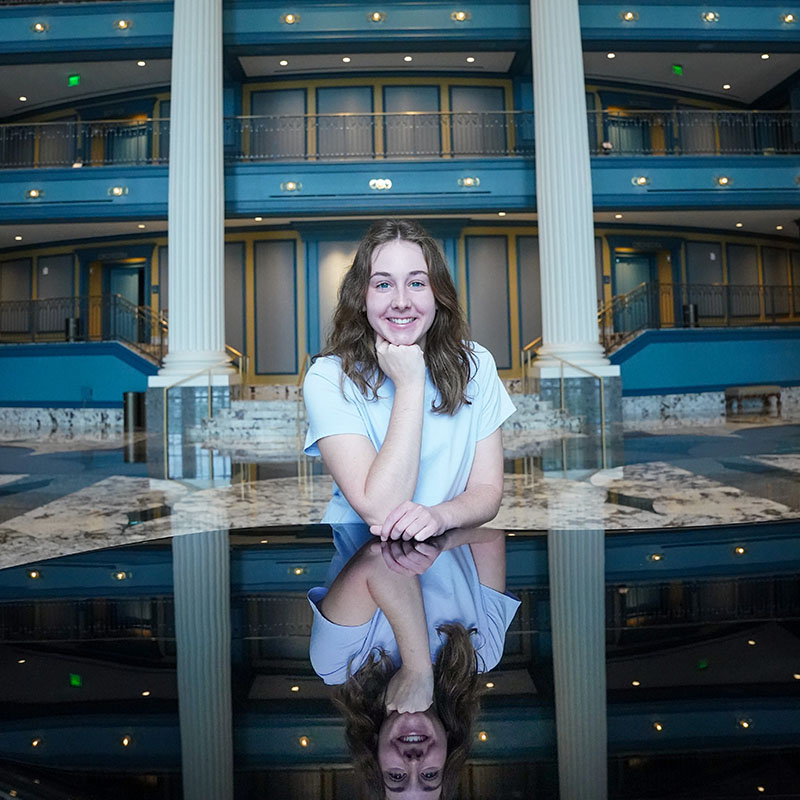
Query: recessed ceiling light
141, 63
470, 59
764, 56
346, 59
617, 216
611, 55
23, 99
283, 62
779, 227
141, 226
501, 213
726, 86
17, 238
408, 58
258, 219
739, 224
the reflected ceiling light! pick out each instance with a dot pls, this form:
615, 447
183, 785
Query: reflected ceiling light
290, 19
796, 676
655, 557
490, 684
36, 742
377, 16
723, 180
258, 219
739, 550
126, 740
408, 58
23, 98
710, 16
20, 661
77, 164
483, 736
739, 224
510, 534
40, 27
380, 184
501, 213
635, 683
123, 24
141, 63
760, 789
346, 59
764, 56
18, 238
726, 86
295, 689
264, 541
34, 574
146, 693
304, 741
291, 186
298, 570
141, 226
628, 16
283, 62
789, 18
751, 642
617, 216
120, 576
460, 16
611, 55
658, 726
779, 227
470, 59
469, 181
744, 723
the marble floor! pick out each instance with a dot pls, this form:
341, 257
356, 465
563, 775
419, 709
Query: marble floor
60, 496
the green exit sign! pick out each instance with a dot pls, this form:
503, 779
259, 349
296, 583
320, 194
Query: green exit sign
677, 69
74, 80
75, 680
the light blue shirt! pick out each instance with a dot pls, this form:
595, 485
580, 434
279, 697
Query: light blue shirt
334, 405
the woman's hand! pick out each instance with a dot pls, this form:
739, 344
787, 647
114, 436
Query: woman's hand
411, 520
404, 365
410, 691
409, 558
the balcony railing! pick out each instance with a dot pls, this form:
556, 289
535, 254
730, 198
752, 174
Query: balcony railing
682, 305
403, 136
84, 319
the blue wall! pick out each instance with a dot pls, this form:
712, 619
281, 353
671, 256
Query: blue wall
708, 359
93, 375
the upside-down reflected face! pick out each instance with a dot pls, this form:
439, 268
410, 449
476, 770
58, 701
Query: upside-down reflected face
400, 303
412, 749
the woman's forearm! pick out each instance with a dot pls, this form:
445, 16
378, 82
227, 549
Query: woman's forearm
474, 506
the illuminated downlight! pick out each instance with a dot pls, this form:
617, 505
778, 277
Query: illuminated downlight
628, 16
460, 16
635, 683
146, 693
502, 214
483, 736
40, 27
377, 16
739, 550
290, 19
723, 180
490, 685
408, 59
469, 181
726, 86
764, 56
658, 726
788, 18
34, 574
23, 98
655, 557
120, 576
283, 62
470, 59
346, 59
751, 642
611, 55
290, 186
709, 16
123, 24
745, 723
294, 689
298, 570
36, 742
304, 741
640, 180
779, 227
32, 194
380, 184
118, 191
17, 238
126, 740
739, 224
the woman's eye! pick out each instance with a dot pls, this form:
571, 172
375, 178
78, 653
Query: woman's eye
396, 776
417, 284
430, 776
382, 285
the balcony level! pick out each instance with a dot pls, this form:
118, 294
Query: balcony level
410, 161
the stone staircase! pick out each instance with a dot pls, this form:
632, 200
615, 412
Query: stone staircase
276, 428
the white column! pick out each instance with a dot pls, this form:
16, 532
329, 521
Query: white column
564, 192
576, 561
200, 566
196, 194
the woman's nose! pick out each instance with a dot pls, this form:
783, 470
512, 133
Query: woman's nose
400, 300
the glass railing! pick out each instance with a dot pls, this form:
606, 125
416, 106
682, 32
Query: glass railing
84, 319
689, 305
403, 136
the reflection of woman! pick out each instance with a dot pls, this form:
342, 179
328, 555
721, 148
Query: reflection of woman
405, 410
405, 627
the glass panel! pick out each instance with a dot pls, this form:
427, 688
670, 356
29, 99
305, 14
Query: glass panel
412, 134
276, 307
478, 120
234, 295
530, 294
278, 129
344, 127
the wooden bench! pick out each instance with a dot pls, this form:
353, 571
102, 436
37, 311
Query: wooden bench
734, 395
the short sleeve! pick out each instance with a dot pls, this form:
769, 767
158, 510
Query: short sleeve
495, 404
500, 610
334, 646
327, 410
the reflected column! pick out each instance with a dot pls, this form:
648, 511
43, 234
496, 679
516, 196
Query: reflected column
201, 571
576, 560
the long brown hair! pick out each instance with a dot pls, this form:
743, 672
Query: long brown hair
456, 698
448, 352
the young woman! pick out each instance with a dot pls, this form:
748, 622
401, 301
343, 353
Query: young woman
405, 410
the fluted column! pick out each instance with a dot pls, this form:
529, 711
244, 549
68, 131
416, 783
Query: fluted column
196, 192
564, 190
201, 571
577, 602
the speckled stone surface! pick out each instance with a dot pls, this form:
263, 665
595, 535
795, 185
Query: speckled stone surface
62, 420
653, 412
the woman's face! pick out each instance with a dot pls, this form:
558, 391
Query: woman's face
400, 302
412, 749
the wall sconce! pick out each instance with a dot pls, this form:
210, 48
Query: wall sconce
376, 16
628, 16
290, 19
709, 16
723, 180
33, 194
460, 16
470, 181
380, 184
788, 19
291, 186
40, 27
123, 24
118, 191
640, 180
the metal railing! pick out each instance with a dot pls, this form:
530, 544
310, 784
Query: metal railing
676, 305
84, 319
403, 136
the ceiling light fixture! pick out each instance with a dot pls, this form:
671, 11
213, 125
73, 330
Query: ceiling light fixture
635, 683
469, 181
32, 194
118, 191
380, 184
764, 56
739, 550
460, 16
658, 726
283, 62
628, 16
304, 741
141, 226
640, 180
611, 55
123, 24
788, 19
723, 180
470, 59
408, 58
501, 213
376, 16
291, 186
710, 16
141, 63
726, 86
294, 689
290, 19
490, 684
779, 227
617, 216
126, 740
23, 98
40, 27
77, 164
346, 59
258, 219
17, 238
483, 736
739, 224
655, 557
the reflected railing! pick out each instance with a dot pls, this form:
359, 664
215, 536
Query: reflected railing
400, 135
107, 317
